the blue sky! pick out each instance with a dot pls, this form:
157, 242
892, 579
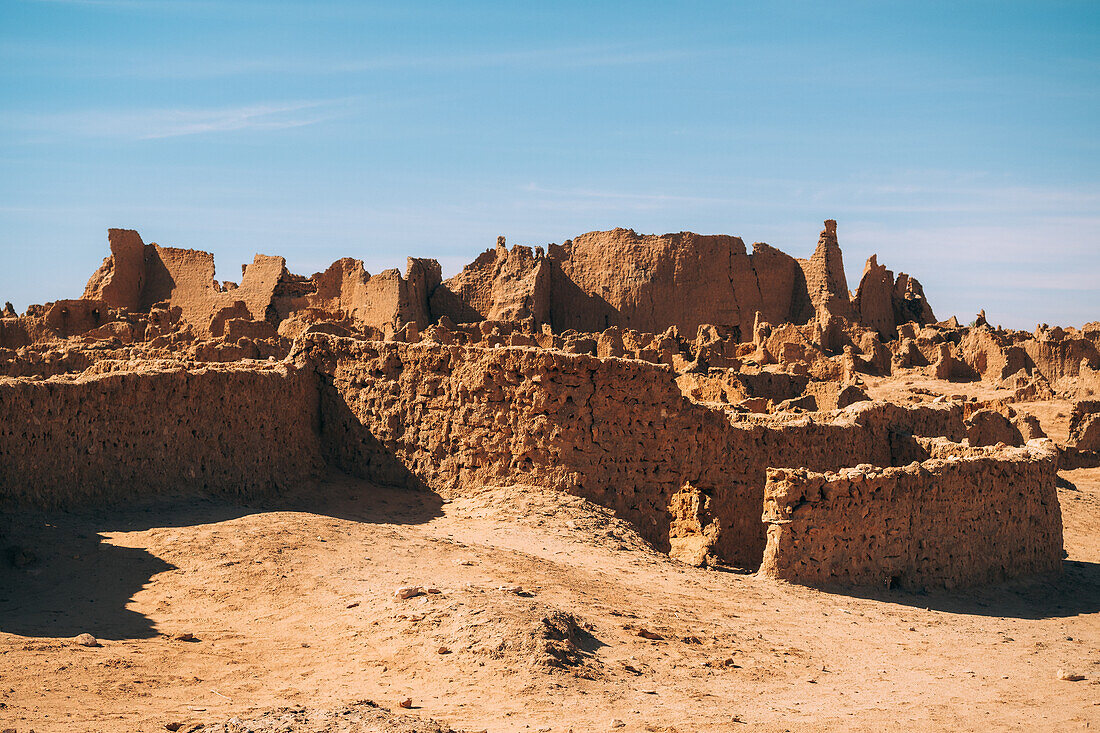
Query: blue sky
959, 141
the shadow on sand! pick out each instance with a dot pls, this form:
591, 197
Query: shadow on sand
1076, 591
60, 578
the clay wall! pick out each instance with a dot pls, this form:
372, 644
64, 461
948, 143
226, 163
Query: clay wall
451, 418
617, 431
649, 282
949, 522
454, 417
127, 435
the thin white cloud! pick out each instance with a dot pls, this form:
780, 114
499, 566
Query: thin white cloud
152, 124
165, 67
849, 197
129, 4
1029, 241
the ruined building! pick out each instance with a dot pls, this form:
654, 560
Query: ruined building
714, 397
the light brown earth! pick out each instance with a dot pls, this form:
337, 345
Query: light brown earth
292, 604
527, 609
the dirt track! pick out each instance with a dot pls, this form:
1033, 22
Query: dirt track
542, 602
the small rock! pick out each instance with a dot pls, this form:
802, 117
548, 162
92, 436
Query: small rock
86, 640
616, 723
406, 703
352, 605
442, 650
1070, 676
173, 726
406, 592
185, 636
652, 635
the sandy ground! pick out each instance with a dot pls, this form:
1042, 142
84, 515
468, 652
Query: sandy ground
536, 626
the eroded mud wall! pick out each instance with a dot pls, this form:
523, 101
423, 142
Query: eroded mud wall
127, 435
940, 523
453, 419
616, 431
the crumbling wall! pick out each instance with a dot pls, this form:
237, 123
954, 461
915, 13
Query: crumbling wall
136, 276
462, 417
983, 517
649, 282
500, 285
883, 303
826, 283
448, 417
598, 280
617, 431
127, 435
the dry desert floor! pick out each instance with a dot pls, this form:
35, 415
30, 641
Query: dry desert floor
550, 615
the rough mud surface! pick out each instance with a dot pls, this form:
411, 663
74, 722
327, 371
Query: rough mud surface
629, 482
550, 615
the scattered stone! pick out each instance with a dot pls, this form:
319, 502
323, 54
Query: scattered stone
86, 640
406, 592
1069, 676
406, 703
516, 590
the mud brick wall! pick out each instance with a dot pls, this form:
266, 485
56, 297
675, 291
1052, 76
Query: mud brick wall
446, 417
127, 435
942, 523
451, 417
616, 431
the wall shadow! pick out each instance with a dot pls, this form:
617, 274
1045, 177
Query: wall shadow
1075, 592
572, 307
60, 577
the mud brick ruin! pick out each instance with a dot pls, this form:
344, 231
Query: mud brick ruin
718, 399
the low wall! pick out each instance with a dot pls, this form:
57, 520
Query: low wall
457, 418
616, 431
981, 518
125, 435
613, 430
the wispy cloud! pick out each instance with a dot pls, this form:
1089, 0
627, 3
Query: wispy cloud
70, 62
129, 4
152, 124
862, 198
